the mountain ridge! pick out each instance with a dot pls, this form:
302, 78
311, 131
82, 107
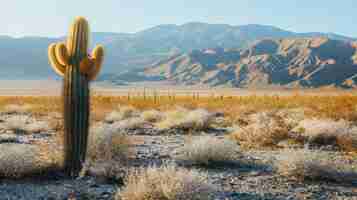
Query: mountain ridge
26, 57
302, 62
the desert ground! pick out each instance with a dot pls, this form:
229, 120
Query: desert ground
167, 143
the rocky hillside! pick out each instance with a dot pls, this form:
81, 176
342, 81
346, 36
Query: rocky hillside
303, 62
26, 58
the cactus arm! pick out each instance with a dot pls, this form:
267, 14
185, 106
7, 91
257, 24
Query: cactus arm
56, 65
62, 54
97, 56
86, 66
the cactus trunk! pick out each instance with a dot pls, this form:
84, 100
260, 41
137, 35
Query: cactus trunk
76, 116
72, 62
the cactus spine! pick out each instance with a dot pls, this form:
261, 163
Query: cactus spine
72, 61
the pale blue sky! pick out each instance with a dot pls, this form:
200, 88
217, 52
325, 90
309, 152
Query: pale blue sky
52, 17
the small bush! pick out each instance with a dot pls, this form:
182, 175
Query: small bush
17, 123
151, 115
316, 166
18, 160
37, 126
25, 124
19, 109
131, 123
198, 119
107, 151
206, 150
124, 112
328, 132
106, 143
265, 130
166, 183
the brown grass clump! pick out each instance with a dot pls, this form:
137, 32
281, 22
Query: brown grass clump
315, 166
329, 132
166, 183
131, 123
199, 119
206, 150
108, 151
18, 160
151, 115
17, 109
25, 124
266, 129
124, 112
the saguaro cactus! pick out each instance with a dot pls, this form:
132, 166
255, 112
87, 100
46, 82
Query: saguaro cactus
72, 62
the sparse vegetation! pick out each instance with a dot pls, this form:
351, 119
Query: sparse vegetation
151, 115
166, 183
108, 151
315, 166
124, 112
19, 160
199, 119
17, 109
259, 122
24, 124
208, 151
266, 129
328, 132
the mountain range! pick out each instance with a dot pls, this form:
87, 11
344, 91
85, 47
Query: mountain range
302, 62
147, 51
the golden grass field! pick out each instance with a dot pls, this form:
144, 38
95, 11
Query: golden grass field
322, 106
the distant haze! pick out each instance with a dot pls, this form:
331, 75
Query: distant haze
50, 18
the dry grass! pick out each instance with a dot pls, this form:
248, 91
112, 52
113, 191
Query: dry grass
329, 132
316, 166
19, 160
107, 144
17, 109
166, 183
25, 124
124, 112
336, 107
198, 119
266, 129
108, 151
151, 116
131, 123
206, 150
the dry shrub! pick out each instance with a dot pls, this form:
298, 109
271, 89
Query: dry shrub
16, 108
266, 129
290, 117
18, 160
166, 183
37, 126
199, 119
124, 112
131, 123
107, 152
206, 150
329, 132
316, 166
25, 124
17, 123
151, 115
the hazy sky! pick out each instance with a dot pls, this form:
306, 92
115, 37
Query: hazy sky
52, 17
